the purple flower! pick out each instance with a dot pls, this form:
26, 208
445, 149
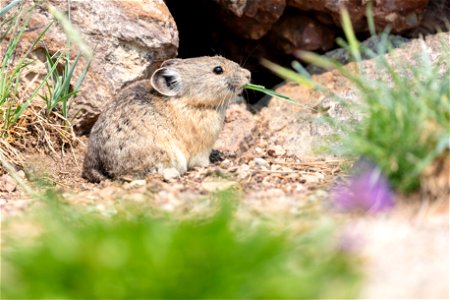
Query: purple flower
367, 191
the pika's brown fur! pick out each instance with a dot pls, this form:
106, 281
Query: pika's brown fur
169, 121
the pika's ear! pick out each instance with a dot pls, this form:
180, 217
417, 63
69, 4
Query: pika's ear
166, 81
170, 62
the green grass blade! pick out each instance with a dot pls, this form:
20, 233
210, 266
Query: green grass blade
67, 77
38, 39
30, 99
9, 7
72, 33
328, 63
300, 69
260, 88
10, 23
16, 38
289, 74
370, 19
350, 35
77, 85
83, 75
71, 70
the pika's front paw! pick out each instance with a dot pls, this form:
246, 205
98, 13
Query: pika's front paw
170, 173
200, 160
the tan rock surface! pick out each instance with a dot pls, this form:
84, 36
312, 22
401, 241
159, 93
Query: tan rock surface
237, 134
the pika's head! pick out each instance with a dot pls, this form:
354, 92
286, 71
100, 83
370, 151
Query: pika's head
204, 81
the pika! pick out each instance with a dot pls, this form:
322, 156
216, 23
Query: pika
171, 120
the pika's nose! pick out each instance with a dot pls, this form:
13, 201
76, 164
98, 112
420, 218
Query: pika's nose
247, 74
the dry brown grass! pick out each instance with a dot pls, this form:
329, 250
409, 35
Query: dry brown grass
37, 131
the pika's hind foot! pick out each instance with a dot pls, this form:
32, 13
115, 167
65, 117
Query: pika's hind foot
93, 175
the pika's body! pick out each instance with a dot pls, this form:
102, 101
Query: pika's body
171, 120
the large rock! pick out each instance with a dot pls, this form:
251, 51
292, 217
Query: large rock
436, 18
237, 7
239, 129
251, 19
128, 39
399, 14
297, 31
307, 5
298, 127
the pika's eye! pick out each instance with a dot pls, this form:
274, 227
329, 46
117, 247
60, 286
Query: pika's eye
218, 70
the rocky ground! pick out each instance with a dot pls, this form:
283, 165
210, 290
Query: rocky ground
404, 253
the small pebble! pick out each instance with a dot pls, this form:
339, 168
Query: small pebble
7, 184
135, 184
243, 171
275, 167
170, 174
261, 162
259, 151
226, 163
276, 150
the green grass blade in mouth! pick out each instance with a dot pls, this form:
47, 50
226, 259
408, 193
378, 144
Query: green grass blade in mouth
263, 89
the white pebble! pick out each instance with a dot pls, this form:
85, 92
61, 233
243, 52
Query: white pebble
170, 173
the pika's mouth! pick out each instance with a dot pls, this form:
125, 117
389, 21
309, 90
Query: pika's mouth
236, 89
231, 87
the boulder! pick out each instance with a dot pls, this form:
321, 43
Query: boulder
400, 15
301, 128
307, 5
251, 19
238, 131
237, 7
436, 18
298, 31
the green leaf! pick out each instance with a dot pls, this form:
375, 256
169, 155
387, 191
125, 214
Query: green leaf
350, 35
262, 89
289, 74
9, 7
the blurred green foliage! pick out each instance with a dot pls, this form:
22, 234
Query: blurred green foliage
133, 255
